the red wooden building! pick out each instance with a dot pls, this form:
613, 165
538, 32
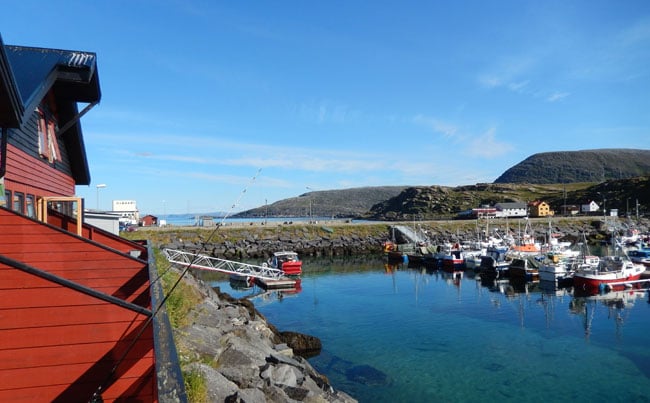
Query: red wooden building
81, 317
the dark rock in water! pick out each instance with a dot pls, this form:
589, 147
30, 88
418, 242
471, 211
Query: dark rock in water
367, 375
303, 345
494, 366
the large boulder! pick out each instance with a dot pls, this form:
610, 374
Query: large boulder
303, 345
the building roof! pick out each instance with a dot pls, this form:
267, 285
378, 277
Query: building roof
510, 206
11, 107
27, 74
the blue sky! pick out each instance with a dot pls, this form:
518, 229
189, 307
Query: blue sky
225, 106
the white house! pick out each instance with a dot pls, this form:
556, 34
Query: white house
511, 209
590, 207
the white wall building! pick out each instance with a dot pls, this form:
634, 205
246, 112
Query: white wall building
590, 207
511, 209
127, 210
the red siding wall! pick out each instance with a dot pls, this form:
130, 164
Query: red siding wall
97, 234
57, 343
29, 175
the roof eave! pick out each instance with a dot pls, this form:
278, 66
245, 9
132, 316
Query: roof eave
11, 107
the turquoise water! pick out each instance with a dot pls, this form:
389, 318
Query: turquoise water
395, 334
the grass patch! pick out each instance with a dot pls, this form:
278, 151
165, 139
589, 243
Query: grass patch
182, 299
196, 387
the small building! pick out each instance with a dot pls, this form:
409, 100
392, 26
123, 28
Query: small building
104, 220
513, 209
539, 208
570, 209
590, 207
149, 221
484, 212
206, 221
477, 213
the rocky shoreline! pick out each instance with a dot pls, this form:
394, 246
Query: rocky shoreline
243, 358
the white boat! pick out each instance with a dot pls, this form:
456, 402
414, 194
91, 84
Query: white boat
556, 272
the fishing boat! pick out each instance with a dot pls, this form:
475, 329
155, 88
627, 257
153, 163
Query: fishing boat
610, 269
494, 263
561, 270
641, 256
525, 268
287, 261
558, 271
453, 259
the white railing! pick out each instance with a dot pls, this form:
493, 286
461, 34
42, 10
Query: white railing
221, 265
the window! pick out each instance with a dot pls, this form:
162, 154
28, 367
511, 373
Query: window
48, 146
31, 210
5, 202
19, 202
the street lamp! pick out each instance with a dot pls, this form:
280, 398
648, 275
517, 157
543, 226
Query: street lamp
311, 190
100, 186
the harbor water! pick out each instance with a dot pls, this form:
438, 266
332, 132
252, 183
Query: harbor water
391, 333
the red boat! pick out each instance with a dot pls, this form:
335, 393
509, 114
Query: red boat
286, 261
611, 269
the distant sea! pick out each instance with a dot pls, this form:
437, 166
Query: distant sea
182, 220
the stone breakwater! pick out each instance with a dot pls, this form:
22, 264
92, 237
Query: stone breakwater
243, 358
357, 239
252, 247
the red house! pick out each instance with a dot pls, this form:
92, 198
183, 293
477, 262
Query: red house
80, 317
149, 220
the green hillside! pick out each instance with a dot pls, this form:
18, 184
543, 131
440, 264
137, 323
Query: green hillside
579, 166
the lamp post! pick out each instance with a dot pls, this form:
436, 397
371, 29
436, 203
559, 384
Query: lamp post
311, 190
100, 186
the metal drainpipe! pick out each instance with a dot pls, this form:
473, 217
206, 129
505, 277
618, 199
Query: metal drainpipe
3, 152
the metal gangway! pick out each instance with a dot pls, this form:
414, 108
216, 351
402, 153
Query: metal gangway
410, 234
204, 262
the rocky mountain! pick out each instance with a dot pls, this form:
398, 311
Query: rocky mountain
579, 166
438, 202
327, 203
617, 177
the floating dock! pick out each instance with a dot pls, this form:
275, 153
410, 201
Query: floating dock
277, 284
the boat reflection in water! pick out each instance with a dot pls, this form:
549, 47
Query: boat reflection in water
617, 303
433, 333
